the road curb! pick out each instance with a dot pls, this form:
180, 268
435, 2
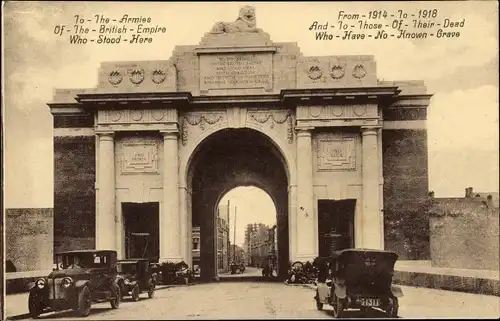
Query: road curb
440, 282
18, 317
307, 286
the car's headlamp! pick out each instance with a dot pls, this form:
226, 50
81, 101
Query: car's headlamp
40, 283
66, 282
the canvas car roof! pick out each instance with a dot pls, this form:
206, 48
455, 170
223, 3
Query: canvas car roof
383, 253
364, 250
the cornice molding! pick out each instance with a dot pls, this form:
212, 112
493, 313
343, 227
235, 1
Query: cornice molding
161, 97
231, 49
345, 91
387, 95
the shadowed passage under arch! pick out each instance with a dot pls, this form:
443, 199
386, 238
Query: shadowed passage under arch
228, 159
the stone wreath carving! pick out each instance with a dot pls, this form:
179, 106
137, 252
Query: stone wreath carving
158, 76
197, 119
115, 77
337, 71
276, 118
136, 76
246, 22
315, 72
359, 71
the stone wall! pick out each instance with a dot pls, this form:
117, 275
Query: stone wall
464, 234
74, 193
405, 192
29, 238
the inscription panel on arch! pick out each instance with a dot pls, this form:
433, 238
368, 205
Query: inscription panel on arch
236, 71
336, 154
139, 157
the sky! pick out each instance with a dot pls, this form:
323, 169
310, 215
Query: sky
461, 73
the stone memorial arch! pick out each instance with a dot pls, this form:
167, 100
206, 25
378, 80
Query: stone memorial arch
151, 150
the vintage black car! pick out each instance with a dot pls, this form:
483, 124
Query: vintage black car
176, 273
156, 272
80, 279
296, 274
237, 268
135, 276
359, 279
183, 274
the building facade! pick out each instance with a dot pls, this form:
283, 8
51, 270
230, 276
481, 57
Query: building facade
237, 254
223, 245
272, 242
154, 146
260, 241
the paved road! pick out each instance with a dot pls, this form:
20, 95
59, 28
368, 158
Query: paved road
249, 272
274, 301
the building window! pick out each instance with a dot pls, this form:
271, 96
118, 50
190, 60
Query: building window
196, 244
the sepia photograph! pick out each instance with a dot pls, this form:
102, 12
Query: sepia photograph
250, 160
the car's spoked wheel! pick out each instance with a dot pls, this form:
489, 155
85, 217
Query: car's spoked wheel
319, 305
392, 310
84, 302
135, 293
115, 300
34, 305
338, 307
151, 292
122, 291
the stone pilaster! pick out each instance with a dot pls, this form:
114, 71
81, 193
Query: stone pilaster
381, 186
372, 215
186, 245
170, 218
306, 220
106, 211
292, 222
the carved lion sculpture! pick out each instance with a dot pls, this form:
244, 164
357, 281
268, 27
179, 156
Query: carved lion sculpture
244, 23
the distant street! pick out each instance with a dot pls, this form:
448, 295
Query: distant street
228, 300
249, 272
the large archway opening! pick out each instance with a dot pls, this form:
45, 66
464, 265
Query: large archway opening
227, 159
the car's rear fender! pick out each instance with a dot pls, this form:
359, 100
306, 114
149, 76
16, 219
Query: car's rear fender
322, 291
396, 291
340, 290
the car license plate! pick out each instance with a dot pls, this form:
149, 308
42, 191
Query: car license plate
369, 302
